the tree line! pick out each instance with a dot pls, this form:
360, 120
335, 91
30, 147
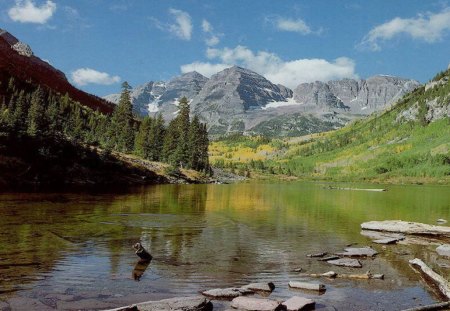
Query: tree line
39, 112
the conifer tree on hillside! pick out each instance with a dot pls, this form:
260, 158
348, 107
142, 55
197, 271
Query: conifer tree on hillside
36, 114
142, 141
122, 122
182, 151
156, 139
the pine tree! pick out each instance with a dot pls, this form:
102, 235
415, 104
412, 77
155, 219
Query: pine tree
53, 109
36, 114
156, 138
170, 143
122, 133
142, 141
195, 143
181, 156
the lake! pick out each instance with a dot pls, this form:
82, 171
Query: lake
74, 250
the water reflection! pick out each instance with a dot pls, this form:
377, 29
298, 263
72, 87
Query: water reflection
204, 236
139, 269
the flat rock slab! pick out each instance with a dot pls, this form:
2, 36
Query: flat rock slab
328, 258
4, 306
256, 304
259, 287
443, 250
358, 252
297, 303
387, 241
227, 293
307, 286
407, 227
195, 303
346, 262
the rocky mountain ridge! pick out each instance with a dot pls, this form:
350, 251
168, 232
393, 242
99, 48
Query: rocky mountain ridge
240, 100
17, 60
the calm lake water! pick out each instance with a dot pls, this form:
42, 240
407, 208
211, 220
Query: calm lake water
74, 250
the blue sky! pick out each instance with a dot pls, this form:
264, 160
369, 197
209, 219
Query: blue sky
100, 43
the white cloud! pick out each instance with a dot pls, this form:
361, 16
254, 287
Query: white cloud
213, 38
85, 76
206, 26
289, 73
183, 26
26, 11
293, 25
427, 27
206, 69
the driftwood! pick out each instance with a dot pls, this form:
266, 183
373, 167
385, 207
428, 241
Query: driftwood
142, 252
436, 306
357, 189
308, 286
442, 283
414, 228
332, 274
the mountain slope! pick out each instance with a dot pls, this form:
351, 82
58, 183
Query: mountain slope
409, 142
17, 60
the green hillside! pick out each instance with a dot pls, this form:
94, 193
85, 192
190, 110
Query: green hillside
410, 142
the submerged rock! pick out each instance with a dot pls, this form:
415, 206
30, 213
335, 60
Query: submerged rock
382, 237
256, 304
443, 250
358, 252
227, 293
259, 287
346, 262
299, 303
195, 303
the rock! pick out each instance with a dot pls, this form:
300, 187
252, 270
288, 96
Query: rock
329, 274
441, 221
308, 286
23, 49
260, 287
299, 303
227, 293
346, 262
443, 250
195, 303
388, 240
256, 304
84, 304
406, 227
358, 252
316, 255
29, 304
332, 257
299, 269
4, 306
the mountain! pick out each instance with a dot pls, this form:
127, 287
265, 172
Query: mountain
240, 100
17, 60
408, 142
154, 97
355, 96
230, 98
145, 97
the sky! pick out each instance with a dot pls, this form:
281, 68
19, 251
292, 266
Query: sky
99, 44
